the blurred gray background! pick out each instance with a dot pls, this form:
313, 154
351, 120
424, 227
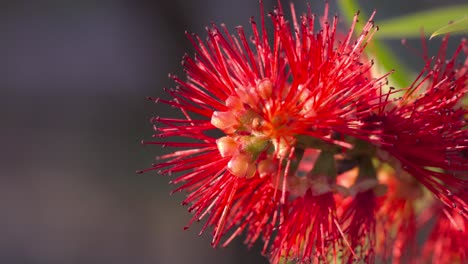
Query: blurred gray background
73, 80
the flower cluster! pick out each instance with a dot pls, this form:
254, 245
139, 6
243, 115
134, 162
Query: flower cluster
319, 159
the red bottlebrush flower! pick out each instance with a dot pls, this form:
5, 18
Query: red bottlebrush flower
290, 110
272, 102
310, 233
448, 241
359, 220
424, 132
396, 227
359, 213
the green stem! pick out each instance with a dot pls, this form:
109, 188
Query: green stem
324, 166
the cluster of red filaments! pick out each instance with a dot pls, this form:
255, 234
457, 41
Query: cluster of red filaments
317, 159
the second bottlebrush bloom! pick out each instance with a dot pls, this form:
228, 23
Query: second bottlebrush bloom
291, 111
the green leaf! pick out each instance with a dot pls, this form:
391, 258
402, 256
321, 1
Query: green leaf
348, 8
402, 77
459, 26
408, 26
383, 55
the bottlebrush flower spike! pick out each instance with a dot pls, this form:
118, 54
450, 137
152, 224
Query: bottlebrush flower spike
288, 111
310, 232
359, 213
448, 241
396, 227
424, 132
